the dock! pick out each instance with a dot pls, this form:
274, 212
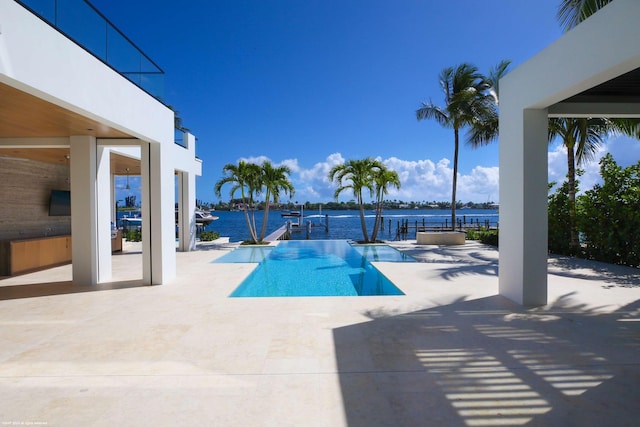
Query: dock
282, 233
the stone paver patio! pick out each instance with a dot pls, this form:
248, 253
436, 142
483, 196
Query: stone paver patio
450, 352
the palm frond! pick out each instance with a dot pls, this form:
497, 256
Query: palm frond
431, 111
572, 12
494, 76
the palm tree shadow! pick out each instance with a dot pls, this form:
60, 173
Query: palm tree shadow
578, 268
459, 260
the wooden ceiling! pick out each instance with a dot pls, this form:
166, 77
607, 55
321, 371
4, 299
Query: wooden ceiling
26, 116
119, 163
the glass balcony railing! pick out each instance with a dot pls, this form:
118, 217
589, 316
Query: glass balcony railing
178, 137
81, 22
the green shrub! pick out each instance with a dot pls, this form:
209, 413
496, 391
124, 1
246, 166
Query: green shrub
208, 236
488, 237
133, 235
559, 234
608, 215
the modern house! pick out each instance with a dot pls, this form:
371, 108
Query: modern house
591, 71
80, 104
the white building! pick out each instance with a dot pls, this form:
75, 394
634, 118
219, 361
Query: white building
591, 71
66, 106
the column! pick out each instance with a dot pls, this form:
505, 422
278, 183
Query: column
523, 204
186, 209
158, 214
90, 212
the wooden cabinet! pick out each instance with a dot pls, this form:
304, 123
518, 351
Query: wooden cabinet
21, 256
116, 242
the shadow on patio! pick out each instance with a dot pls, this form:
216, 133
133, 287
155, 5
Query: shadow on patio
33, 290
489, 362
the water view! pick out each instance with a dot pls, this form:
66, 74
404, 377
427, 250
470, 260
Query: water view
345, 224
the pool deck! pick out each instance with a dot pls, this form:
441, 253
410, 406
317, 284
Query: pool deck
451, 352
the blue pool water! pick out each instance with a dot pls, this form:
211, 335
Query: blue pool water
315, 268
383, 253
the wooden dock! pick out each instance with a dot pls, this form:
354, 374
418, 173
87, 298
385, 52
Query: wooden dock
282, 233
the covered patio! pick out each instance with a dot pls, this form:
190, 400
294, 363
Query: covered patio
75, 127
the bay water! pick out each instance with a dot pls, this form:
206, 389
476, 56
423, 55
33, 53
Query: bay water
345, 224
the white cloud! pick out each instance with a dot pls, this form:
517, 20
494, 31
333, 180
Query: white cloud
313, 184
480, 186
420, 180
291, 164
624, 150
428, 180
557, 164
255, 159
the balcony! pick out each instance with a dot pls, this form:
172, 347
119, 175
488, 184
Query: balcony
81, 22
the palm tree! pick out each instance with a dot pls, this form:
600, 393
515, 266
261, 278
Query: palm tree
382, 178
245, 177
358, 176
581, 137
274, 180
573, 12
470, 102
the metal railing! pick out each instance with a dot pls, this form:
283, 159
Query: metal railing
81, 22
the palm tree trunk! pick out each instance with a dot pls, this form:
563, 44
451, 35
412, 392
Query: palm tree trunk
455, 180
571, 177
376, 225
362, 222
254, 229
252, 233
265, 216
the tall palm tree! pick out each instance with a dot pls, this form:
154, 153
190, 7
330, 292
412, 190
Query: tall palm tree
573, 12
383, 178
581, 137
470, 102
245, 177
357, 176
274, 181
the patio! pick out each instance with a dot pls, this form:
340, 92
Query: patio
451, 352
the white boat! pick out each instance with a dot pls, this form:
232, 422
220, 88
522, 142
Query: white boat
292, 214
203, 217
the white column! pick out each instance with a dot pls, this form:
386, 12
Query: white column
90, 212
158, 214
523, 204
114, 210
186, 208
104, 197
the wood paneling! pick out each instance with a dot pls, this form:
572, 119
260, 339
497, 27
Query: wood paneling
21, 256
24, 116
58, 156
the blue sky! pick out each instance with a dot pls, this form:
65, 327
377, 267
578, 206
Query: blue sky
311, 83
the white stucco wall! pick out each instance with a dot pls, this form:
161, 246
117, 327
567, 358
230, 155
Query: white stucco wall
599, 49
37, 59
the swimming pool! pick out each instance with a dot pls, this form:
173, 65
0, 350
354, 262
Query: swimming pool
315, 268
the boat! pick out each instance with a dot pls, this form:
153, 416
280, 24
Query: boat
292, 214
204, 217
